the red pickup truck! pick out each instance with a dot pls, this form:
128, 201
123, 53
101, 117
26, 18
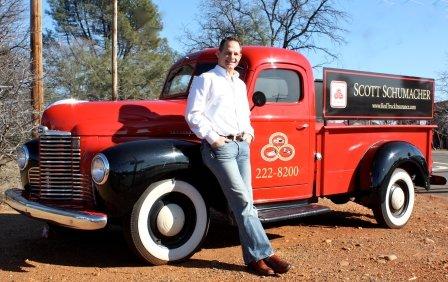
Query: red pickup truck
354, 136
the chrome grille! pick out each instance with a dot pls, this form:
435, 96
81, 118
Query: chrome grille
34, 180
58, 180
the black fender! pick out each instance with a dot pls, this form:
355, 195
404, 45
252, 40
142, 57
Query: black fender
33, 151
135, 165
381, 160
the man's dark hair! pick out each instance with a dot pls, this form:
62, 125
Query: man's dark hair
225, 40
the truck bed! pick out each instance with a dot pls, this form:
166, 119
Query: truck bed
343, 146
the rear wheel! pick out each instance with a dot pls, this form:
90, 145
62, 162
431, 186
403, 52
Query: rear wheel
396, 200
168, 222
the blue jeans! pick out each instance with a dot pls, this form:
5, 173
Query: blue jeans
230, 164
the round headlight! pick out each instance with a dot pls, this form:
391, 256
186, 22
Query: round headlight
23, 156
100, 169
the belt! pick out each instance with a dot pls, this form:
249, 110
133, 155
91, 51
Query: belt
237, 137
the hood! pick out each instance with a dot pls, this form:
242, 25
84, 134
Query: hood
118, 118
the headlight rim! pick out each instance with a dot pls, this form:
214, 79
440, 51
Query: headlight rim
106, 165
27, 157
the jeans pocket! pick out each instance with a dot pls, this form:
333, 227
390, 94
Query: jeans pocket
207, 151
223, 152
245, 148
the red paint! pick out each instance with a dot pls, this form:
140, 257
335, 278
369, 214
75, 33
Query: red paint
282, 168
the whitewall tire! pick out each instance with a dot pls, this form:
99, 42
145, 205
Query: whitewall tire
168, 223
396, 201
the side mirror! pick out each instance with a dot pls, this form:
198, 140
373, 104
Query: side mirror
259, 99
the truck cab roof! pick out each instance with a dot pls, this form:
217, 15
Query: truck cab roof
253, 56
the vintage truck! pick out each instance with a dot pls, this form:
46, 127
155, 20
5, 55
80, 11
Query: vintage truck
357, 136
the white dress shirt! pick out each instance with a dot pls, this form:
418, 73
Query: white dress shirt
217, 105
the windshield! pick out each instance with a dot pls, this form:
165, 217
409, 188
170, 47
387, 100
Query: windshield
179, 79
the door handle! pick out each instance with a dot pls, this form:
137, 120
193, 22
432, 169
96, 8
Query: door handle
305, 125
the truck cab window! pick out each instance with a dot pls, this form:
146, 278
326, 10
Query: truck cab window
279, 85
178, 81
205, 67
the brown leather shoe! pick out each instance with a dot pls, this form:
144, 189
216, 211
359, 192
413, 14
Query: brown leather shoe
277, 264
260, 268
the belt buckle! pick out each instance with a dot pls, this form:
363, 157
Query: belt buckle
239, 137
236, 137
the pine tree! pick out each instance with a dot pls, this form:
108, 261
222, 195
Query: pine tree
78, 51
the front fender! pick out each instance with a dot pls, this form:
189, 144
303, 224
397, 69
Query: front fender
33, 150
135, 165
398, 154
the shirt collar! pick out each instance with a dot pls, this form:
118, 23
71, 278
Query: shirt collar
223, 72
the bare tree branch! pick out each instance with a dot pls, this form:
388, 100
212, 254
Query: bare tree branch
291, 24
441, 120
443, 86
15, 103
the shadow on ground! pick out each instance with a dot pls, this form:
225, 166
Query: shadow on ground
21, 243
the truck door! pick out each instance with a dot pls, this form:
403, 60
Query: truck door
280, 154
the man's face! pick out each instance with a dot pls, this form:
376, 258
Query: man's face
230, 55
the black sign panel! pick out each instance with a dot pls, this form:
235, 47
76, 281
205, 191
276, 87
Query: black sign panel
353, 94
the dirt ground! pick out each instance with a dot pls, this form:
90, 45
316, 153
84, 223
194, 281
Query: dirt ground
345, 244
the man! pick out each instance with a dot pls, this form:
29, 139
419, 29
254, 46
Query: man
218, 113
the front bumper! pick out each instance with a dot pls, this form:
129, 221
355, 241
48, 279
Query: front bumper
83, 220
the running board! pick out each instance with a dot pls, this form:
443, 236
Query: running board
279, 213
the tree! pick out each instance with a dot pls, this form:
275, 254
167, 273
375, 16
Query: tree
443, 86
441, 120
441, 113
78, 51
15, 78
293, 24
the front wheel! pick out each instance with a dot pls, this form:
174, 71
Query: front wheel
396, 200
168, 222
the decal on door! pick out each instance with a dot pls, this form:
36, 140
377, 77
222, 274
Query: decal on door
278, 148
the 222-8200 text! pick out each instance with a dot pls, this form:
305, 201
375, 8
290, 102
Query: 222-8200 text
283, 171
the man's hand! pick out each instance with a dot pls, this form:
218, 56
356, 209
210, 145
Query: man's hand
247, 137
220, 142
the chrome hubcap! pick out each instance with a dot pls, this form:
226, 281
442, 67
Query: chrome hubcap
170, 220
397, 197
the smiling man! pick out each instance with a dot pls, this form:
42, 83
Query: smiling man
218, 113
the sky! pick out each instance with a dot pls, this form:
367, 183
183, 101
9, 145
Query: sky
405, 37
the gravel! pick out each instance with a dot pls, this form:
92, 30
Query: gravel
345, 244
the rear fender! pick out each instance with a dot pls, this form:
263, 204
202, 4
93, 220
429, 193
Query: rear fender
380, 161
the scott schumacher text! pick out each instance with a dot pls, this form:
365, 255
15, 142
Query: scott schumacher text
385, 91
